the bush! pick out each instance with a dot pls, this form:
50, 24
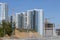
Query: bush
1, 32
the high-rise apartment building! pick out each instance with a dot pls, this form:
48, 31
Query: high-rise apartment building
36, 20
19, 20
31, 19
3, 12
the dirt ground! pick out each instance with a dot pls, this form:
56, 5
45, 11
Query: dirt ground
26, 34
19, 34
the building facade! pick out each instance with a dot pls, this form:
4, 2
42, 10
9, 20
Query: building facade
19, 20
24, 20
36, 20
49, 29
58, 32
31, 19
3, 12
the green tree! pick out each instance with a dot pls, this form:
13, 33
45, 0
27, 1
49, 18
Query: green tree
7, 27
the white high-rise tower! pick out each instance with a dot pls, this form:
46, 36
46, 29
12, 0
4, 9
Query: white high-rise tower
3, 12
36, 20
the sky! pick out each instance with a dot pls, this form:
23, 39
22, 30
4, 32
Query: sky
51, 8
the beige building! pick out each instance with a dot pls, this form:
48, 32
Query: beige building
49, 29
58, 32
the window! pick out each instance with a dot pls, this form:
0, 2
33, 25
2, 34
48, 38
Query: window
50, 25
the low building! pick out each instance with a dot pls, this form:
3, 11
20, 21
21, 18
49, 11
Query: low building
49, 29
58, 32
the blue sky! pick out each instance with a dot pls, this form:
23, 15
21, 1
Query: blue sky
51, 7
